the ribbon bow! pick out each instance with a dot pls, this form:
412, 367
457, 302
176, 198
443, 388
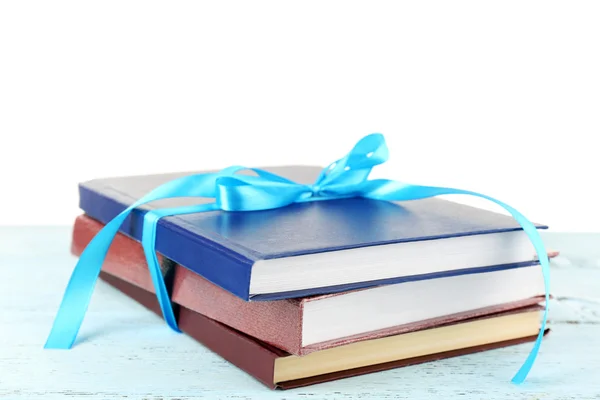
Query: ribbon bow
346, 177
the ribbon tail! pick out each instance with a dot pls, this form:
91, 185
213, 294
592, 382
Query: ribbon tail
79, 290
151, 219
391, 190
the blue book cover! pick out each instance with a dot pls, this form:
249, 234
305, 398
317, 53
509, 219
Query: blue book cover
224, 247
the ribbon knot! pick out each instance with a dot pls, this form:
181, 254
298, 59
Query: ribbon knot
316, 190
346, 177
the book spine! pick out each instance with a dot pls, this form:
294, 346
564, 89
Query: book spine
278, 323
194, 251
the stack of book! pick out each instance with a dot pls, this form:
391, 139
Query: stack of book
324, 290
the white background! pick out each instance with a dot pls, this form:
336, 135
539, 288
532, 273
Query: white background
498, 97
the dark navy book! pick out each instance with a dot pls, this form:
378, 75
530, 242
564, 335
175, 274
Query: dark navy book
317, 247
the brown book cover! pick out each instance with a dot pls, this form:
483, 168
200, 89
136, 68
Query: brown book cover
278, 323
259, 359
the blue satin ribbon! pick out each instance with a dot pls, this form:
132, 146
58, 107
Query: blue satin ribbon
346, 177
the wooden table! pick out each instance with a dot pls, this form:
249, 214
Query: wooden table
126, 352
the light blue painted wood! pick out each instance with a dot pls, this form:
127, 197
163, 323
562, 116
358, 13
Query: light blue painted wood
134, 355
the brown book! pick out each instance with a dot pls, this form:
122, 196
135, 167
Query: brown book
284, 323
278, 369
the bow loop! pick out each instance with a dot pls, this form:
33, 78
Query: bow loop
253, 193
356, 166
368, 152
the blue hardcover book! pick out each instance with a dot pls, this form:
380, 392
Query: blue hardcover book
317, 247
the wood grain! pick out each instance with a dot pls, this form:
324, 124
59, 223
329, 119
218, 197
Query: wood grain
125, 352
